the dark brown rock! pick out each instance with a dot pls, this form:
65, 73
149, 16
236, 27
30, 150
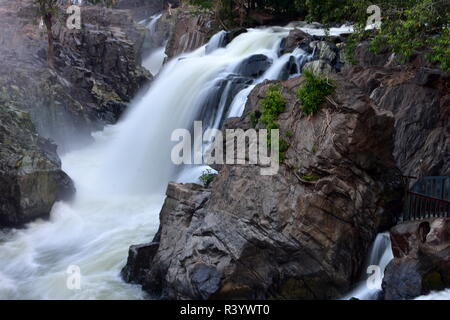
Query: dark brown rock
257, 237
31, 179
422, 259
420, 101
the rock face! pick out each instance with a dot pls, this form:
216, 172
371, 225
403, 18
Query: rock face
142, 9
419, 98
300, 234
97, 70
31, 179
189, 29
103, 57
422, 259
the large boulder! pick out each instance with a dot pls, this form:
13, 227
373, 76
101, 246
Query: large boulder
421, 259
420, 101
31, 179
300, 234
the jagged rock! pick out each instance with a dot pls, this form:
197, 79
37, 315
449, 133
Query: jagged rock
319, 67
326, 50
420, 101
189, 29
296, 39
281, 236
421, 259
254, 66
97, 70
31, 179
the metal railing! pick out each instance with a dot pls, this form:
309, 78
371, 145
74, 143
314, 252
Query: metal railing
428, 198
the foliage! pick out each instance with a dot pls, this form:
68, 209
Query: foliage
310, 177
254, 118
205, 4
207, 178
272, 105
416, 24
313, 93
407, 25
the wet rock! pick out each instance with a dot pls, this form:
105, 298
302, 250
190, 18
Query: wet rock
282, 236
231, 35
421, 259
319, 67
254, 66
326, 50
420, 101
296, 39
31, 179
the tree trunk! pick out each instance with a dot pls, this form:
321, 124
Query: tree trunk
51, 50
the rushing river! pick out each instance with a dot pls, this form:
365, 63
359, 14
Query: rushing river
121, 178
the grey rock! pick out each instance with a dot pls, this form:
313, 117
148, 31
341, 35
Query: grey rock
31, 179
319, 67
421, 261
281, 236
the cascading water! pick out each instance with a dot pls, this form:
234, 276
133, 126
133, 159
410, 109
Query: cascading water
121, 178
380, 255
154, 59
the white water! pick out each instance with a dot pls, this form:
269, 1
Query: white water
436, 295
120, 181
154, 61
380, 255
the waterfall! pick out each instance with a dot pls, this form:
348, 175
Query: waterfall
217, 41
154, 59
380, 255
121, 178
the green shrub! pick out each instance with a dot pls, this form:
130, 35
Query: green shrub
207, 178
206, 4
310, 177
273, 104
415, 25
254, 118
313, 93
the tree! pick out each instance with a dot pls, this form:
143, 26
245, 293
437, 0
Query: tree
48, 9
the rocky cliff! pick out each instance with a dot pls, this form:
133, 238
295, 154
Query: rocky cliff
283, 236
97, 72
304, 233
419, 97
97, 69
31, 179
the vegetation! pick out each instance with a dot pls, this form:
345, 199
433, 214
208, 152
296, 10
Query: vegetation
310, 177
416, 25
314, 92
407, 25
272, 105
207, 178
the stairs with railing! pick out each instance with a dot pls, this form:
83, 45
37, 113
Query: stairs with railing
428, 198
